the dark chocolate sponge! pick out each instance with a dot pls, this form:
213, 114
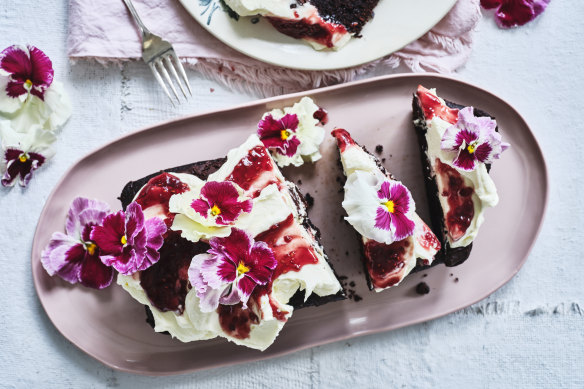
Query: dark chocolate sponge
447, 255
202, 170
352, 14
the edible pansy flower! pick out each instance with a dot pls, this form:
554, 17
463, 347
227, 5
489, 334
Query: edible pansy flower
378, 208
127, 242
230, 270
280, 134
22, 153
473, 140
512, 13
74, 256
220, 201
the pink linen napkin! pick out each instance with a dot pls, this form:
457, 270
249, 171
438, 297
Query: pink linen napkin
103, 31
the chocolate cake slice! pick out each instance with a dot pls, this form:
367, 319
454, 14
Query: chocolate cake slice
393, 238
322, 23
303, 275
457, 197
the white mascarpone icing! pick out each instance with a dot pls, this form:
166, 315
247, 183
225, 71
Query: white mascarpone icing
312, 278
485, 193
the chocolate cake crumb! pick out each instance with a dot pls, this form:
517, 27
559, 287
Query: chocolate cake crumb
299, 182
422, 288
342, 278
358, 298
293, 5
339, 179
425, 275
347, 253
451, 274
379, 149
456, 279
309, 200
383, 160
255, 20
352, 284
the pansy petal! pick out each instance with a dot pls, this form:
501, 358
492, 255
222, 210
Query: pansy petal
450, 141
41, 67
402, 198
245, 285
237, 245
155, 229
134, 220
15, 89
269, 127
402, 226
59, 104
218, 271
465, 161
383, 219
8, 104
70, 269
514, 13
194, 272
231, 296
209, 299
483, 152
290, 122
94, 274
384, 192
84, 211
108, 236
230, 211
201, 207
489, 4
15, 60
57, 255
261, 263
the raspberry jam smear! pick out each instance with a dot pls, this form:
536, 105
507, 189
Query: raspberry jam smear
309, 28
386, 264
432, 106
236, 321
343, 138
459, 196
255, 171
158, 191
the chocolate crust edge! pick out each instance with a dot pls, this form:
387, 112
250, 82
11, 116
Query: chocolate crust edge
203, 169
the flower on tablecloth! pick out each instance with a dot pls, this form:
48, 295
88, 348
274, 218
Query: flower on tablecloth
513, 13
31, 102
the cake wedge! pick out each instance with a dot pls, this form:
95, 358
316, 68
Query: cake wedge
381, 209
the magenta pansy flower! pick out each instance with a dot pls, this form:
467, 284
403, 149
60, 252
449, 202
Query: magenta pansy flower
22, 154
230, 270
74, 256
392, 214
220, 201
512, 13
28, 71
280, 134
473, 140
127, 242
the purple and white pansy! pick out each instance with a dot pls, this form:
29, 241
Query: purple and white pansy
379, 208
97, 242
279, 134
220, 201
513, 13
23, 153
230, 270
472, 140
29, 100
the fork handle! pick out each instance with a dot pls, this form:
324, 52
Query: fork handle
143, 30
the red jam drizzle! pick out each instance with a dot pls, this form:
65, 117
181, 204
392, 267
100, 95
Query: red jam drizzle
427, 239
319, 32
459, 197
386, 263
236, 321
159, 190
251, 167
166, 283
321, 115
343, 138
432, 106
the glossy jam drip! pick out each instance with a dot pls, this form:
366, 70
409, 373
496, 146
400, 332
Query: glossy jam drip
166, 283
236, 321
304, 28
247, 172
321, 115
432, 106
459, 197
343, 138
427, 239
386, 263
159, 190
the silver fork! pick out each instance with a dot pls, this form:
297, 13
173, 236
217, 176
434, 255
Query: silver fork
159, 56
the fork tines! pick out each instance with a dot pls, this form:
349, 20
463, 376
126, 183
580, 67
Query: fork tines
162, 64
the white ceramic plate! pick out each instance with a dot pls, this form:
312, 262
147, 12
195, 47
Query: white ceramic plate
395, 24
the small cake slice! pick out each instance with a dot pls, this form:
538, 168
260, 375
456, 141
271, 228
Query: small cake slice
325, 24
240, 253
382, 211
457, 145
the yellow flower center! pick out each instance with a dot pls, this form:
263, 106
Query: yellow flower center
215, 210
91, 248
471, 148
285, 134
28, 83
390, 206
23, 158
124, 240
242, 269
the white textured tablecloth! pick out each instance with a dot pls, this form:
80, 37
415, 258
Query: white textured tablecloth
528, 334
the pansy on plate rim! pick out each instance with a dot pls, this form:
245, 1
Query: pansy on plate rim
97, 242
472, 140
513, 13
379, 208
230, 270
